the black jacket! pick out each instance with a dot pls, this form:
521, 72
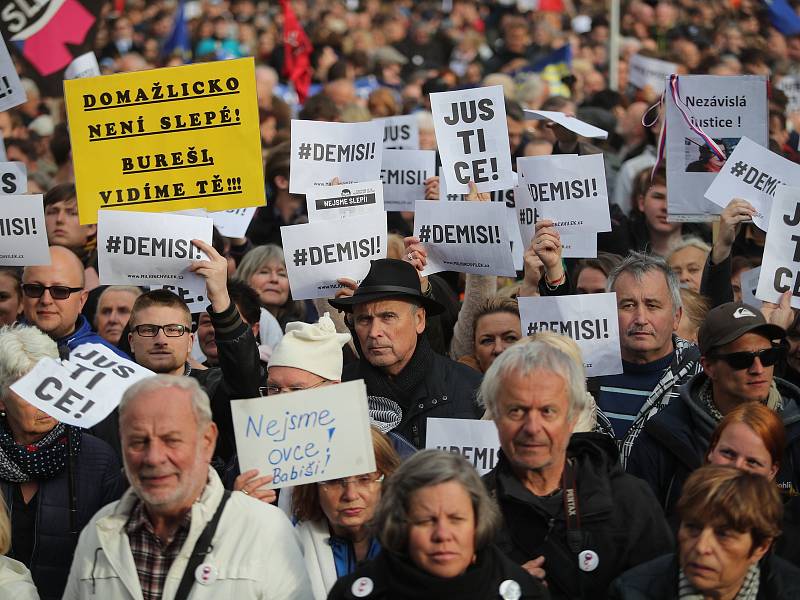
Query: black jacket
619, 520
396, 578
658, 580
448, 391
675, 442
98, 481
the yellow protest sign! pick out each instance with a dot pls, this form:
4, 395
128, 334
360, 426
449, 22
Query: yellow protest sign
166, 139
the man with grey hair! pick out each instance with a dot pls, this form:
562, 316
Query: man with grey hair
571, 515
172, 534
655, 361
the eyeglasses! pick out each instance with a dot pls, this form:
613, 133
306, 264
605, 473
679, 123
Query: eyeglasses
273, 390
744, 360
57, 292
170, 330
361, 482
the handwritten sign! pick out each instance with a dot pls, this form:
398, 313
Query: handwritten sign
166, 139
303, 437
475, 440
23, 236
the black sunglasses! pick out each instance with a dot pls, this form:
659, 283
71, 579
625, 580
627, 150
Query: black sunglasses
57, 292
744, 360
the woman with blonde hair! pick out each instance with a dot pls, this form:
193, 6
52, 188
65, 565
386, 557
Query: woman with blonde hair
15, 579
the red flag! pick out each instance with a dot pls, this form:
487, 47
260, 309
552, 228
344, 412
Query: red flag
297, 50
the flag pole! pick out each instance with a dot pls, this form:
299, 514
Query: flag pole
613, 47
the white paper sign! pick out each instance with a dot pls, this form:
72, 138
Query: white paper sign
780, 268
749, 283
467, 237
11, 91
233, 223
475, 440
644, 71
589, 319
3, 156
23, 235
727, 108
84, 65
303, 437
401, 132
753, 173
575, 125
322, 151
192, 291
403, 174
136, 248
317, 254
13, 178
790, 85
325, 203
83, 390
472, 135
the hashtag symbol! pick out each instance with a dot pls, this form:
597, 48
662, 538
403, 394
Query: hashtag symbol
738, 169
113, 244
424, 233
305, 151
300, 257
531, 328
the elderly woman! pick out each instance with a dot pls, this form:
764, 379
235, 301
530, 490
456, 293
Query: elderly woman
687, 259
436, 522
729, 519
53, 476
334, 516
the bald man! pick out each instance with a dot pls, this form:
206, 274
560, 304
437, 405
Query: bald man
53, 296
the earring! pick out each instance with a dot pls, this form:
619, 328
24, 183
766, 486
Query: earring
2, 414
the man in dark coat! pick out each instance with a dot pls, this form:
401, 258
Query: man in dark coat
571, 515
403, 374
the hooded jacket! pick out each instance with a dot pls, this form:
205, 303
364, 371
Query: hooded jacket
675, 442
619, 520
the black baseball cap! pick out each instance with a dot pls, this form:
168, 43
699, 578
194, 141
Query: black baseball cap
729, 322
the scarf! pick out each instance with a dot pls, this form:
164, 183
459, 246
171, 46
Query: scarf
748, 591
400, 388
706, 395
40, 461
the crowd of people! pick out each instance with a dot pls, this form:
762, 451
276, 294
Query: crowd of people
676, 478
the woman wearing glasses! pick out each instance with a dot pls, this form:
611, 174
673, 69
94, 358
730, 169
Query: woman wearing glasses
333, 519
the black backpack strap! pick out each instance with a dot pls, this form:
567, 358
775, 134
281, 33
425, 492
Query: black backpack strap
201, 548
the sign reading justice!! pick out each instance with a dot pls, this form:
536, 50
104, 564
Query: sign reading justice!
166, 139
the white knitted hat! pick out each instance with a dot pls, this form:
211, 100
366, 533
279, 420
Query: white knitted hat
312, 347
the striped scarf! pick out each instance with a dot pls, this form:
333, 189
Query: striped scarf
748, 591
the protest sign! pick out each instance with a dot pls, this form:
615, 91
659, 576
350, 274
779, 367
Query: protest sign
780, 268
192, 291
589, 319
233, 223
748, 280
3, 156
703, 110
23, 236
790, 85
753, 173
321, 151
472, 135
83, 66
573, 124
82, 390
11, 91
166, 139
644, 71
342, 201
475, 440
13, 177
400, 132
302, 437
467, 237
127, 256
318, 254
403, 173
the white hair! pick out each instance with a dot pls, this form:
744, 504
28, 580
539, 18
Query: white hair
21, 347
201, 405
689, 241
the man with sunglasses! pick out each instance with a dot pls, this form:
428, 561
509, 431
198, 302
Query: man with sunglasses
53, 296
739, 351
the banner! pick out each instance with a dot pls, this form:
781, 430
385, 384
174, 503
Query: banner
82, 390
403, 173
166, 139
467, 237
303, 437
318, 254
13, 178
472, 135
401, 132
589, 319
475, 440
23, 235
321, 151
780, 268
11, 91
644, 71
342, 201
725, 109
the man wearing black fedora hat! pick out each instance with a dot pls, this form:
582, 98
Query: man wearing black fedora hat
387, 314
